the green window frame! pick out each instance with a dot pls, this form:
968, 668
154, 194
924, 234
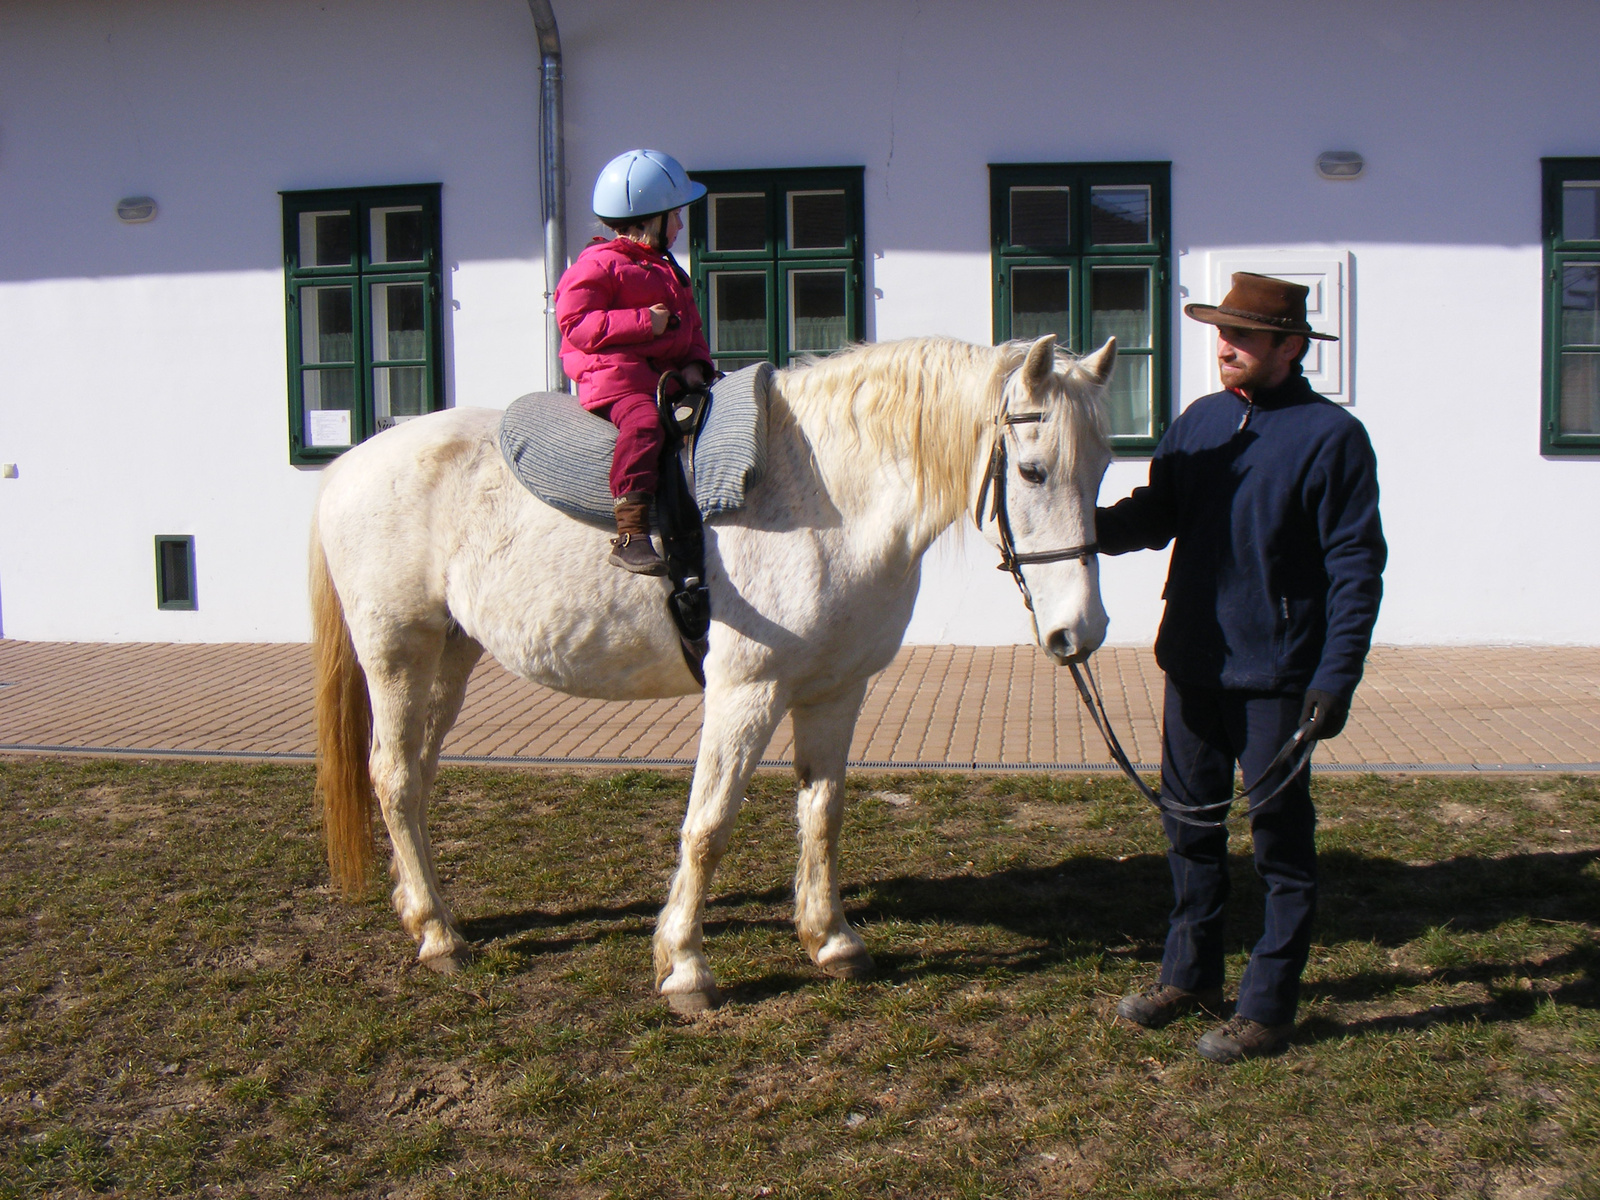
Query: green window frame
362, 284
776, 257
175, 582
1571, 383
1082, 250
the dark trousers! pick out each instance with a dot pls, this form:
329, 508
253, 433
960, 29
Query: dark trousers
1205, 731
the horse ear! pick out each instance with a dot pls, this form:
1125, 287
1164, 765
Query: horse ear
1041, 361
1099, 364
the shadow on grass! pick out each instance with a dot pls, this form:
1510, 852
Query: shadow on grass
1504, 1004
1089, 905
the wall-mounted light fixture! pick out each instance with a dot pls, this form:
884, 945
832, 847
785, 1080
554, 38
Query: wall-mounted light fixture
1340, 164
136, 210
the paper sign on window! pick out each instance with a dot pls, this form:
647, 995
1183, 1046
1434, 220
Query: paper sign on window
328, 427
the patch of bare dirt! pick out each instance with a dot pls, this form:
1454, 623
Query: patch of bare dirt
1030, 814
1068, 1170
1542, 801
255, 958
450, 1093
110, 802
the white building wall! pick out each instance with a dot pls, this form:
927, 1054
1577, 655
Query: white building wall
143, 378
142, 388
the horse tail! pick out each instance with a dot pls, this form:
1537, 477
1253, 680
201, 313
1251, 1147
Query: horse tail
344, 734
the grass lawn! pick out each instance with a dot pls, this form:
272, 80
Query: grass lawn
185, 1010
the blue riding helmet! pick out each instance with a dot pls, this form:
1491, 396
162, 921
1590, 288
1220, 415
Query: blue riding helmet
643, 183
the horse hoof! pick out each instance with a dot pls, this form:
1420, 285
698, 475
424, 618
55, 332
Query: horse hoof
856, 967
692, 1004
451, 963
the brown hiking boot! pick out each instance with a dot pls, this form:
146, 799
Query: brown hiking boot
631, 549
1161, 1003
1242, 1038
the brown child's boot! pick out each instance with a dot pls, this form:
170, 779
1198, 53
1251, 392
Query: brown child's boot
631, 549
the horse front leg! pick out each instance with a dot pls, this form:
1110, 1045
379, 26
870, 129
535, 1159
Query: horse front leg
821, 746
738, 725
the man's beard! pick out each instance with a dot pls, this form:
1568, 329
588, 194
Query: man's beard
1245, 378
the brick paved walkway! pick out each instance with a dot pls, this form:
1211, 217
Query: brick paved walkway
946, 706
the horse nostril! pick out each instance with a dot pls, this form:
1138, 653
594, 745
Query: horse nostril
1057, 646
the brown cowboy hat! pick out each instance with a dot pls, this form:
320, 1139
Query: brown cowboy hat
1261, 302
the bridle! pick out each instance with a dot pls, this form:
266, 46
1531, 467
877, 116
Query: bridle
994, 484
1297, 750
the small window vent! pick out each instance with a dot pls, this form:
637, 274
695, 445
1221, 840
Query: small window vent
175, 572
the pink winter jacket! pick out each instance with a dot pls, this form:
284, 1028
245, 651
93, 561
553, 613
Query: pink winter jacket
603, 305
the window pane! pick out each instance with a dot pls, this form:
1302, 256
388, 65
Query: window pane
1580, 393
1119, 216
397, 321
174, 580
327, 325
398, 235
398, 394
1580, 304
1128, 396
329, 398
817, 220
1041, 216
1041, 303
327, 239
1119, 298
1580, 211
817, 311
739, 221
738, 313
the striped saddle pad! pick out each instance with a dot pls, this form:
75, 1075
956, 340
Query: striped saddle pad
562, 452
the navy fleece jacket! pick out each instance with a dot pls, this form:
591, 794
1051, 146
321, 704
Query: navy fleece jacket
1278, 559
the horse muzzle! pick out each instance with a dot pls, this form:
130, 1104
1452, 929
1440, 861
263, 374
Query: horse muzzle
1065, 648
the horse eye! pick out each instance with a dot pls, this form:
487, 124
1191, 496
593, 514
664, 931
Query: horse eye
1031, 472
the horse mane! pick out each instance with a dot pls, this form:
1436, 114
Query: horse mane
930, 403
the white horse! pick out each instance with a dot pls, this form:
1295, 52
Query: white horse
426, 551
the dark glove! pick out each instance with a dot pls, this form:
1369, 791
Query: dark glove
1326, 712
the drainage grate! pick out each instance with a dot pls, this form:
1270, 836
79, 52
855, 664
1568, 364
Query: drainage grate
871, 764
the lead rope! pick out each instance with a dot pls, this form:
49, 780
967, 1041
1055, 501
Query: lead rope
1297, 749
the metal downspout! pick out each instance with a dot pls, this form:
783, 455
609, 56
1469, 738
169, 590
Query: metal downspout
552, 182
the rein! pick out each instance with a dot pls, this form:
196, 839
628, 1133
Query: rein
1297, 750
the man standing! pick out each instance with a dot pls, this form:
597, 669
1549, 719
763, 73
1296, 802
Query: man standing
1269, 493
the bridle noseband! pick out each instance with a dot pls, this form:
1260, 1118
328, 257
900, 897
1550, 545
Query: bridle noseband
994, 479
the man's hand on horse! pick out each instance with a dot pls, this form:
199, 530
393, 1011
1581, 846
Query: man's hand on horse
1326, 712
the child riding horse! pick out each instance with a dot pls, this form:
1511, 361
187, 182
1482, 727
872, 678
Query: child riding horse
627, 314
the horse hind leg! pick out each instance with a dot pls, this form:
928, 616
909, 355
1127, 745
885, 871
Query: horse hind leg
821, 747
449, 690
416, 685
460, 655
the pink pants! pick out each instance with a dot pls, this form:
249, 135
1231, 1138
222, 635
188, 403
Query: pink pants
635, 463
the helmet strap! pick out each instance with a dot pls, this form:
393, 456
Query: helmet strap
683, 276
